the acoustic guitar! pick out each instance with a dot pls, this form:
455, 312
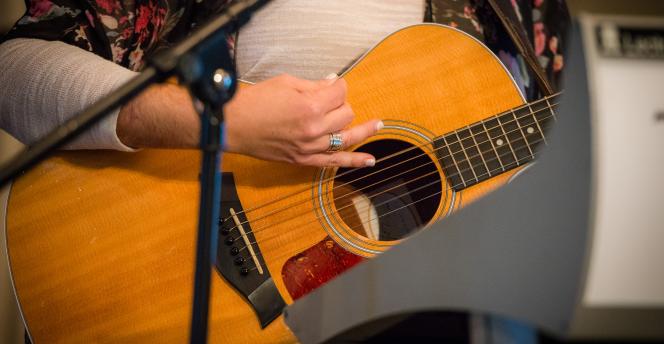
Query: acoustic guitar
101, 244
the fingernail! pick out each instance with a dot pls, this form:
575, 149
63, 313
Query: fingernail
331, 78
379, 125
370, 162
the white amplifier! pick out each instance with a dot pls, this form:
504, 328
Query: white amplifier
624, 288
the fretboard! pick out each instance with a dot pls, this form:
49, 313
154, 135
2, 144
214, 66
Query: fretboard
494, 145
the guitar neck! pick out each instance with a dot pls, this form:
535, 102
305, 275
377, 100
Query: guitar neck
496, 144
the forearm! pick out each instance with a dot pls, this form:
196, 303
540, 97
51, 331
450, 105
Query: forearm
162, 116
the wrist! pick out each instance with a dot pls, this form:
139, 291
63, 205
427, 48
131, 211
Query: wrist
230, 127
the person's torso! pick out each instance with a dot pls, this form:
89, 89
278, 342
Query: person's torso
311, 39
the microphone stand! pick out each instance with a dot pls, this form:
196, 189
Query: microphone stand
203, 63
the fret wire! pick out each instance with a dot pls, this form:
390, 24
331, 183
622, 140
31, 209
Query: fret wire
488, 136
500, 124
532, 113
553, 114
523, 135
530, 109
479, 150
530, 127
470, 163
447, 145
489, 155
521, 107
521, 161
515, 136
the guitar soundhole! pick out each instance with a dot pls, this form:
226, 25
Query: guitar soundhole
393, 199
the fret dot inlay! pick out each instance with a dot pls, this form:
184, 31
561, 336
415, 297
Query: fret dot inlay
499, 142
530, 130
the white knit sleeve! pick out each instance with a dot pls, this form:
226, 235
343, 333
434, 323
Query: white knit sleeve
44, 83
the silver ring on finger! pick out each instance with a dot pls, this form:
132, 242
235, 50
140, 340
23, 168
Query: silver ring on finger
336, 143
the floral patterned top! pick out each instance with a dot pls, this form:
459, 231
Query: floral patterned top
128, 31
123, 31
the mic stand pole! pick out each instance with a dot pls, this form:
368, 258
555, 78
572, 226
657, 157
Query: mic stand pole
203, 63
210, 76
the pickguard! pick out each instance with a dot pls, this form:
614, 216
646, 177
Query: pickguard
316, 266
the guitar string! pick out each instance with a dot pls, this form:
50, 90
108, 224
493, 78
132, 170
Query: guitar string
361, 223
480, 153
260, 229
345, 195
367, 208
470, 166
531, 113
517, 162
527, 105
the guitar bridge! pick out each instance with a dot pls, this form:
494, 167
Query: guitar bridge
239, 259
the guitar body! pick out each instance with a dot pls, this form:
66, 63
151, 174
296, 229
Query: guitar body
101, 244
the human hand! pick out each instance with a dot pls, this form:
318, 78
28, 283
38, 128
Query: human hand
290, 119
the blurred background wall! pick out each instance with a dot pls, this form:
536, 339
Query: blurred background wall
10, 10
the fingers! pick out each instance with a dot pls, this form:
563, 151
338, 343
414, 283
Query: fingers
301, 85
304, 85
349, 137
331, 96
359, 133
339, 159
317, 155
326, 95
338, 119
313, 110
